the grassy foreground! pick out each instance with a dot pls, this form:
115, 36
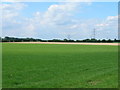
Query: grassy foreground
59, 66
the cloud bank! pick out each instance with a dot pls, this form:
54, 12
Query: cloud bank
58, 21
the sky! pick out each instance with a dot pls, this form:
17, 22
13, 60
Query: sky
60, 20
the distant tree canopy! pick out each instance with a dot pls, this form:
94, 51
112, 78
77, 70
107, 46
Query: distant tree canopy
13, 39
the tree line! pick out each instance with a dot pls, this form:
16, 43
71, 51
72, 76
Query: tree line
13, 39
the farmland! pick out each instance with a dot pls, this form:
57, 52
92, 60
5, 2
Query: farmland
59, 66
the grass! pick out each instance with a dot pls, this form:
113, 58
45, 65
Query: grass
59, 66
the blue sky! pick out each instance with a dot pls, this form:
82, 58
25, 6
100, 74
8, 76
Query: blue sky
49, 20
95, 10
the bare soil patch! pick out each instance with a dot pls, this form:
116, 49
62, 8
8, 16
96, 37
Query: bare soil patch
114, 44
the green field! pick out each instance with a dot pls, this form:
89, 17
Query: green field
59, 66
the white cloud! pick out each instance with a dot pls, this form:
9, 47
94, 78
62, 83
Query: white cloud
56, 22
108, 27
11, 10
110, 21
102, 25
60, 0
109, 18
58, 14
11, 19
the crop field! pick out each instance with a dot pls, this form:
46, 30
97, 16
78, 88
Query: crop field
59, 66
